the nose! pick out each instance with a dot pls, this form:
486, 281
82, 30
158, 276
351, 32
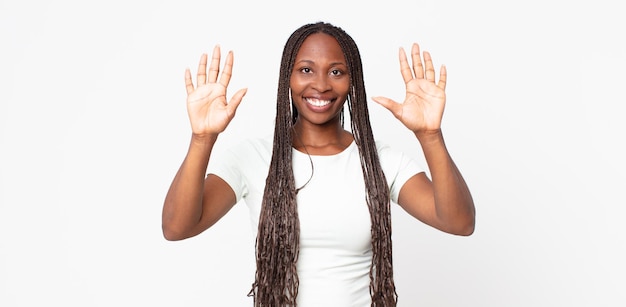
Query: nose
322, 83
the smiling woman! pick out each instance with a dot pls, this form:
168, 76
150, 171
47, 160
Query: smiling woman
319, 194
319, 85
319, 82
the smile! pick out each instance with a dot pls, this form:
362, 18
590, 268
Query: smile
317, 102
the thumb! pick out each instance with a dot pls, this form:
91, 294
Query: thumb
236, 99
389, 104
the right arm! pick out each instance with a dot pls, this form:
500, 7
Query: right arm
194, 202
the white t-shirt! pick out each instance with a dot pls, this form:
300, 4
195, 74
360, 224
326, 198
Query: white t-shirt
335, 227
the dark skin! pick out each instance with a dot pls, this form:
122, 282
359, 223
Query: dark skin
445, 202
319, 84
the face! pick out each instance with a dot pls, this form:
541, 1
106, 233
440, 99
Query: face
320, 80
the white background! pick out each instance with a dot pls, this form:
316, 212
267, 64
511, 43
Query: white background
93, 126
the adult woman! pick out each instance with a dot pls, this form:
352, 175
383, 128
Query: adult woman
319, 194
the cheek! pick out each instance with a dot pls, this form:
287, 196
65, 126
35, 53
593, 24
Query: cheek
295, 84
342, 87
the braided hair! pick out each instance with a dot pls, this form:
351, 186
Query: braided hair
277, 243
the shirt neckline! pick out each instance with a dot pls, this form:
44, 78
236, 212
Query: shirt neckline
345, 151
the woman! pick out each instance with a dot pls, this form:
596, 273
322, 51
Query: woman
319, 195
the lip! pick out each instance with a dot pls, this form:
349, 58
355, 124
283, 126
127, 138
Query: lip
318, 104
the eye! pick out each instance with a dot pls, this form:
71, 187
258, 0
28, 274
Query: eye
305, 70
338, 72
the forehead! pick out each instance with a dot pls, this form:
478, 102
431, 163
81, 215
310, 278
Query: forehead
320, 45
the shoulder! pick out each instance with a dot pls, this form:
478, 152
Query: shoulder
261, 145
386, 151
241, 159
248, 152
394, 160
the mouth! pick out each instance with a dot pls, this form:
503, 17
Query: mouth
317, 102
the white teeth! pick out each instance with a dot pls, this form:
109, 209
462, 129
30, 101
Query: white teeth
317, 102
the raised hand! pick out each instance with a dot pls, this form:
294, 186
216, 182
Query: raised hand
422, 109
209, 111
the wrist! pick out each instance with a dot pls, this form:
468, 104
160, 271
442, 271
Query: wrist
429, 136
203, 139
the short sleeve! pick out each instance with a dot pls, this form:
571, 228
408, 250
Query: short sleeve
244, 166
398, 168
225, 165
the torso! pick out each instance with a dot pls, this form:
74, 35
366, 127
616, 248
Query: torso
335, 237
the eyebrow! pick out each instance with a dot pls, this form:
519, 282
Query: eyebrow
313, 62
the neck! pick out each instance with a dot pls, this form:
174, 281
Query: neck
321, 139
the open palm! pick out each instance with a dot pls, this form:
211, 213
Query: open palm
422, 109
208, 109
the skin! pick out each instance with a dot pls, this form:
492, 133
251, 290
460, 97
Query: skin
194, 203
445, 202
320, 73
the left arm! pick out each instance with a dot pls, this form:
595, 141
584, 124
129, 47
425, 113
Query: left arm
445, 202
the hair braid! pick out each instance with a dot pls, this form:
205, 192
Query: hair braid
277, 244
382, 287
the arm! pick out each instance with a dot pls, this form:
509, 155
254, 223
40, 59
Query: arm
194, 203
445, 202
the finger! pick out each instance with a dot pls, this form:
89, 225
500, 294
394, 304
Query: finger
430, 70
236, 100
405, 70
443, 77
214, 68
389, 104
417, 61
228, 70
201, 77
188, 82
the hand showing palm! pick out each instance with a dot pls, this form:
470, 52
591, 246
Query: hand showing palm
207, 107
422, 109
